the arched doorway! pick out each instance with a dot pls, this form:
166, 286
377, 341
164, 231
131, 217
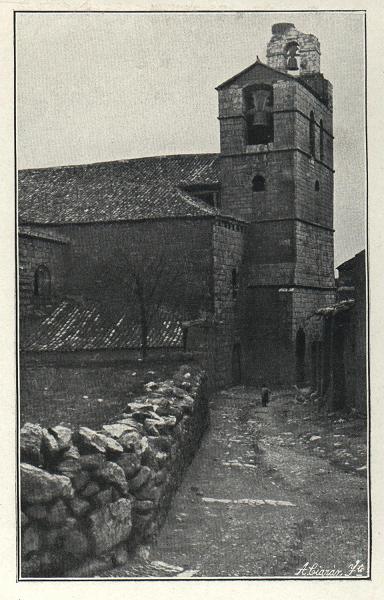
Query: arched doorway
300, 356
42, 283
236, 364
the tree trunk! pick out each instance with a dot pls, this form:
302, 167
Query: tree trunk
143, 318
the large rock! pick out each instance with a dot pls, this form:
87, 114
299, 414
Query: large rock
111, 445
39, 486
69, 467
80, 480
110, 525
130, 463
92, 462
57, 513
30, 540
132, 424
72, 452
79, 506
90, 489
149, 492
37, 512
116, 430
112, 473
31, 438
50, 444
130, 440
140, 479
75, 543
102, 498
90, 440
63, 436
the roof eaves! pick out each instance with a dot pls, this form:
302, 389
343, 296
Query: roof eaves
212, 155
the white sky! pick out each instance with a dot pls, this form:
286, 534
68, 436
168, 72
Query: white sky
97, 87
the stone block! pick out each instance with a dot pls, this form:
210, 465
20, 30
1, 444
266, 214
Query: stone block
112, 473
130, 463
140, 479
38, 486
30, 540
109, 526
31, 438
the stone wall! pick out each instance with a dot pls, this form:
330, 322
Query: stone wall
36, 249
102, 257
228, 247
88, 498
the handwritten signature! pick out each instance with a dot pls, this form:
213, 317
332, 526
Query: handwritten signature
356, 569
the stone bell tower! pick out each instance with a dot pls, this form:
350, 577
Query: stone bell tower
276, 136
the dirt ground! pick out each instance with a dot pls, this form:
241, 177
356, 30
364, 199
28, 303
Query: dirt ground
273, 492
89, 396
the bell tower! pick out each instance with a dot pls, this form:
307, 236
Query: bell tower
293, 52
276, 159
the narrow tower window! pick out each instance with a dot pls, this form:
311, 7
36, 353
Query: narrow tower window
258, 183
317, 186
321, 140
312, 134
42, 282
235, 283
258, 102
292, 53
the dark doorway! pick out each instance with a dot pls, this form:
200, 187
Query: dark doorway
236, 364
314, 364
300, 356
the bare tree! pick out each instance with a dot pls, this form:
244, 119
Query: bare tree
152, 287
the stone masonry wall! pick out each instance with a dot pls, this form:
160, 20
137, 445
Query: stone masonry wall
35, 250
228, 246
101, 255
88, 498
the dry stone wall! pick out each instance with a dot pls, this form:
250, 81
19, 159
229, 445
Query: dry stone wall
89, 497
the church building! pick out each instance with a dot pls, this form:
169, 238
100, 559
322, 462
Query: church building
242, 239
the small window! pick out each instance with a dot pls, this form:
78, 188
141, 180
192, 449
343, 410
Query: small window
258, 184
317, 186
321, 140
312, 134
211, 197
42, 282
235, 283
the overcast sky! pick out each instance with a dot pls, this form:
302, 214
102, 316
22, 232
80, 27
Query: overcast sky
98, 87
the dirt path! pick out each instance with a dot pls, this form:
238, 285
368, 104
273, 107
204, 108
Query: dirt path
258, 502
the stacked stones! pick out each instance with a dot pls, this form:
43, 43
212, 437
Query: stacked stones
88, 497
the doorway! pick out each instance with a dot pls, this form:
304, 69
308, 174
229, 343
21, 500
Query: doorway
236, 364
300, 356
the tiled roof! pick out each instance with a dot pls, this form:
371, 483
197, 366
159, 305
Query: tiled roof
73, 327
337, 308
134, 189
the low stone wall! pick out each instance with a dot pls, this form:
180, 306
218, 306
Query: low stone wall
88, 498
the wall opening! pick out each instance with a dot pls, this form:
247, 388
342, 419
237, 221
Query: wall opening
258, 102
42, 283
292, 53
312, 134
235, 283
300, 356
258, 184
236, 365
317, 186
